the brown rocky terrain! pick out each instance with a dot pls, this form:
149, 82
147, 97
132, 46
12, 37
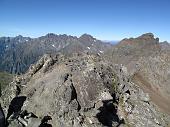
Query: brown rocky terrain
83, 90
127, 86
148, 63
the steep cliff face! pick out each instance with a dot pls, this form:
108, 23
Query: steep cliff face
82, 91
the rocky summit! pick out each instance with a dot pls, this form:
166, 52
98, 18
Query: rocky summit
127, 85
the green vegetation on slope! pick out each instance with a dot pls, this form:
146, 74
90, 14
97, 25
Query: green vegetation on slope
5, 79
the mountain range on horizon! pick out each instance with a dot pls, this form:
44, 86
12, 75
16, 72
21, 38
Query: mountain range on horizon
84, 63
83, 81
17, 53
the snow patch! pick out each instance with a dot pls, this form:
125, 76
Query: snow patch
88, 48
101, 51
53, 46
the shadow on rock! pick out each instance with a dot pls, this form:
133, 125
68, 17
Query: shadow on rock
108, 114
2, 117
44, 122
15, 106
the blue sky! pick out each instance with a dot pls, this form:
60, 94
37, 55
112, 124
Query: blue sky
104, 19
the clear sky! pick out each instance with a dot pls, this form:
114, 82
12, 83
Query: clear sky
104, 19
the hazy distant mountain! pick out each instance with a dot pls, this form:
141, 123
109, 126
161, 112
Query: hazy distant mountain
17, 53
114, 42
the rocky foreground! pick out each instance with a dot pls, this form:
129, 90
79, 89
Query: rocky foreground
81, 91
125, 86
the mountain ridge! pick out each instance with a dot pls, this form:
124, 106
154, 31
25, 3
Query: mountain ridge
85, 89
87, 83
18, 53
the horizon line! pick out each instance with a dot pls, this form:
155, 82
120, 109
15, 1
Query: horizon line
78, 36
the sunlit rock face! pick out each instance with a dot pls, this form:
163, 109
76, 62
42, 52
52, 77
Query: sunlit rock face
82, 90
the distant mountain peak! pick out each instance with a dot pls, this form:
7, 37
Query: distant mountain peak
147, 36
49, 35
19, 36
87, 36
147, 39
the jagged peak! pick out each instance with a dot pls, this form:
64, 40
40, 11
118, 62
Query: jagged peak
19, 36
50, 35
147, 36
87, 36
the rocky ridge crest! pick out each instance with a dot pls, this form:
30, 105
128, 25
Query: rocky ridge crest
83, 91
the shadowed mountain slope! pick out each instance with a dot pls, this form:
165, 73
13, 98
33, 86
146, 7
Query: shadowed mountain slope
18, 53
